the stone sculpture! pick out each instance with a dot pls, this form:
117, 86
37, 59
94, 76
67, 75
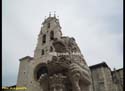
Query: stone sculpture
71, 65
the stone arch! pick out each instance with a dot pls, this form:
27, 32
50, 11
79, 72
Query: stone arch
40, 69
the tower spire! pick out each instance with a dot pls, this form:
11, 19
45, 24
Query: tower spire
49, 14
54, 13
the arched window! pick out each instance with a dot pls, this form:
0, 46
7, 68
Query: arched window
51, 35
44, 38
48, 25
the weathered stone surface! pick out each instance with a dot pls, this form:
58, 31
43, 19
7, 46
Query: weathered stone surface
65, 71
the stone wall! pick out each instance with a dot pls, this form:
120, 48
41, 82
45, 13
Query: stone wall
103, 79
74, 67
117, 77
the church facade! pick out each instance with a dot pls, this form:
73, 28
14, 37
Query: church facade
58, 65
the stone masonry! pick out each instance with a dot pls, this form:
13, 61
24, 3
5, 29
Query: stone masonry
58, 65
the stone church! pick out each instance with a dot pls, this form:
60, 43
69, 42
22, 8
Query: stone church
58, 65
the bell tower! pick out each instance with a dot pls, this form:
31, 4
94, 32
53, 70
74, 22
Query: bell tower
66, 71
50, 30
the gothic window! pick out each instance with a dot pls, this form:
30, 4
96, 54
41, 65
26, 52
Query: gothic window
44, 38
48, 25
42, 52
51, 35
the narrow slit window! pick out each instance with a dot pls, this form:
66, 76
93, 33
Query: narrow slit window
42, 52
51, 35
44, 38
51, 49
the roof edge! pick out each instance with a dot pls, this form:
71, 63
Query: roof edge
26, 57
99, 65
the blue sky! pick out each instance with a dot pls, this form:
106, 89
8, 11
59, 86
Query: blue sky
97, 26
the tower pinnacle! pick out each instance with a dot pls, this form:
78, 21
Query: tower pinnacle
49, 14
54, 13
